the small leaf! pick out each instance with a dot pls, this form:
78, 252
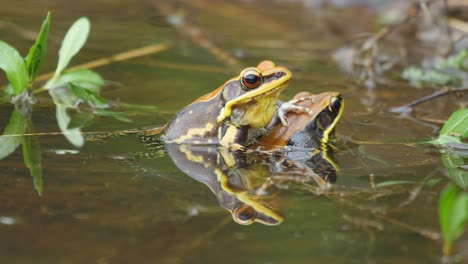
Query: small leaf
420, 77
72, 43
80, 120
63, 96
457, 61
459, 176
444, 139
90, 97
38, 51
14, 66
33, 157
74, 135
453, 215
452, 161
9, 144
83, 78
115, 114
457, 124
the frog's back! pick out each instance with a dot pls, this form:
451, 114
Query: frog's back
195, 124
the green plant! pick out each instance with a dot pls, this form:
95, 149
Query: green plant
68, 89
453, 201
454, 130
451, 71
453, 215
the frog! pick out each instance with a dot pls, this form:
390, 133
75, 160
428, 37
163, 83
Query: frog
313, 129
307, 139
236, 113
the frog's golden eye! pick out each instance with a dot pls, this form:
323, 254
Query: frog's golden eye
244, 215
251, 79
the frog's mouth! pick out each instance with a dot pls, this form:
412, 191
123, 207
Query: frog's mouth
276, 81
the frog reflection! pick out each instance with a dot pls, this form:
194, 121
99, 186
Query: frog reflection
246, 181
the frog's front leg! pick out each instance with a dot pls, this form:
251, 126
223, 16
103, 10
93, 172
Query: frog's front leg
290, 106
233, 136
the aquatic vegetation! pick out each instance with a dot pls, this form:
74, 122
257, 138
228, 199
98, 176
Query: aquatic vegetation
451, 71
72, 89
453, 201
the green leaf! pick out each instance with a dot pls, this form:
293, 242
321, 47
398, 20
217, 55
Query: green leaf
72, 43
458, 61
80, 120
38, 51
63, 96
14, 67
16, 125
453, 215
457, 124
444, 139
32, 157
459, 176
87, 79
452, 161
73, 135
90, 97
115, 114
419, 77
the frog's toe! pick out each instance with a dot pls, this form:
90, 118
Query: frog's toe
291, 107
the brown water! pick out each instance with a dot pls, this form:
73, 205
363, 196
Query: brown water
105, 203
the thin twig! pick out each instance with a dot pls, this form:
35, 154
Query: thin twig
129, 131
131, 54
433, 235
414, 193
409, 106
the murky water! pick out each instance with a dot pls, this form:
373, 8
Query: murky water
109, 203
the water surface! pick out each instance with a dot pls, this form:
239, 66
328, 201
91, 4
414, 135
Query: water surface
106, 203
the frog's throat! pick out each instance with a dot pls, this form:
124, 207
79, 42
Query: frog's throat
273, 87
243, 197
326, 133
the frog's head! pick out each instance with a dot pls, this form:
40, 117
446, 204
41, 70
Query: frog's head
329, 108
245, 214
245, 205
251, 98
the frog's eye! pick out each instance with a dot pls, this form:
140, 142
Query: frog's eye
335, 104
244, 215
251, 79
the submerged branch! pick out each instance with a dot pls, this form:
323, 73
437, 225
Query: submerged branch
407, 108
